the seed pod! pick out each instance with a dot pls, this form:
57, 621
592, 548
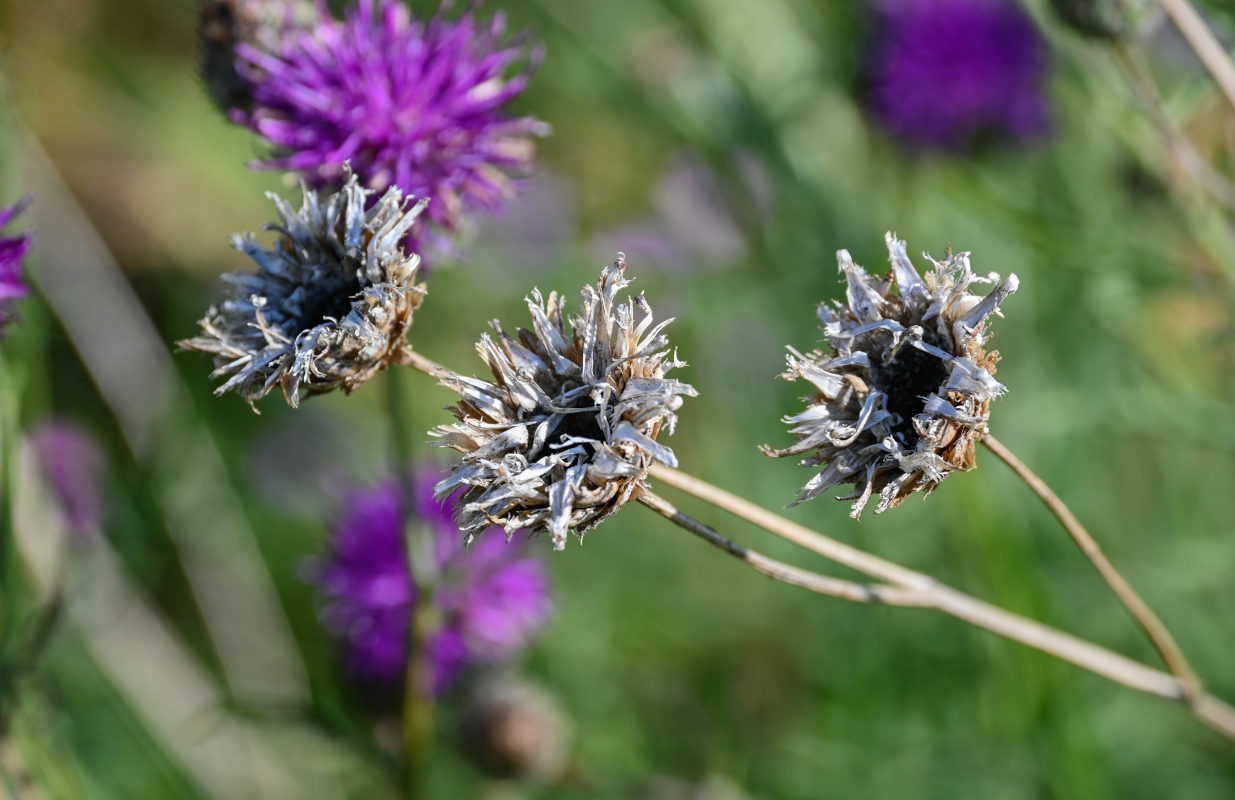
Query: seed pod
905, 395
328, 307
564, 435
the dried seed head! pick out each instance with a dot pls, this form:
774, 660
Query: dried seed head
906, 394
565, 434
328, 307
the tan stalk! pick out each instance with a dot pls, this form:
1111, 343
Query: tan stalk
1157, 632
1202, 40
1115, 667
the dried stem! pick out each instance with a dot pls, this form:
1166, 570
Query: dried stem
1115, 667
410, 358
786, 573
1158, 634
1202, 40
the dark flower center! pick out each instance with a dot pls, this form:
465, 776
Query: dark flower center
582, 424
911, 376
326, 298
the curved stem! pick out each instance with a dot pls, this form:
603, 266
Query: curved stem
786, 573
1115, 667
1154, 628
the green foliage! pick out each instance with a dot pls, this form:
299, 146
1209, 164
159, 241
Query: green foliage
670, 659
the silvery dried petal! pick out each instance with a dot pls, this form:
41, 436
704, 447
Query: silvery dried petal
328, 307
566, 432
905, 395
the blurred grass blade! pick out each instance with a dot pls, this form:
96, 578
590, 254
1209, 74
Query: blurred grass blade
147, 662
132, 367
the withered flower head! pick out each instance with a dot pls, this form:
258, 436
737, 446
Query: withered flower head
905, 396
565, 434
328, 307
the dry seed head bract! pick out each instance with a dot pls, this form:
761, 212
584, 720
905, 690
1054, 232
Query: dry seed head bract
905, 394
566, 432
328, 307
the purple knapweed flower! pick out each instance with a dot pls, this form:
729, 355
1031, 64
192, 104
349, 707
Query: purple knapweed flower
12, 252
951, 74
491, 596
72, 464
412, 104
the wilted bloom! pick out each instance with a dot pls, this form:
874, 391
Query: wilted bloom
952, 73
72, 464
905, 395
224, 25
512, 728
565, 435
328, 307
410, 104
12, 252
491, 597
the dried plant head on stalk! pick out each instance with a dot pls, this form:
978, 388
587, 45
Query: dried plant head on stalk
564, 435
905, 395
328, 307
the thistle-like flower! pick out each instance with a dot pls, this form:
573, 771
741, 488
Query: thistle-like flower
328, 307
952, 74
491, 598
13, 252
905, 395
565, 434
408, 104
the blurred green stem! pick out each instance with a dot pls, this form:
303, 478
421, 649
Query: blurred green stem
1178, 146
418, 701
10, 573
1154, 628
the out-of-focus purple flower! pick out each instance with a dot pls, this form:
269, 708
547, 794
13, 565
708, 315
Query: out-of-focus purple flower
72, 464
950, 74
12, 252
492, 597
409, 103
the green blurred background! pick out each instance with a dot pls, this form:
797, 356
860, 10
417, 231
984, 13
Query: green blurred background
719, 144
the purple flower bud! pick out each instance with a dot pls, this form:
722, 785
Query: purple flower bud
72, 464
